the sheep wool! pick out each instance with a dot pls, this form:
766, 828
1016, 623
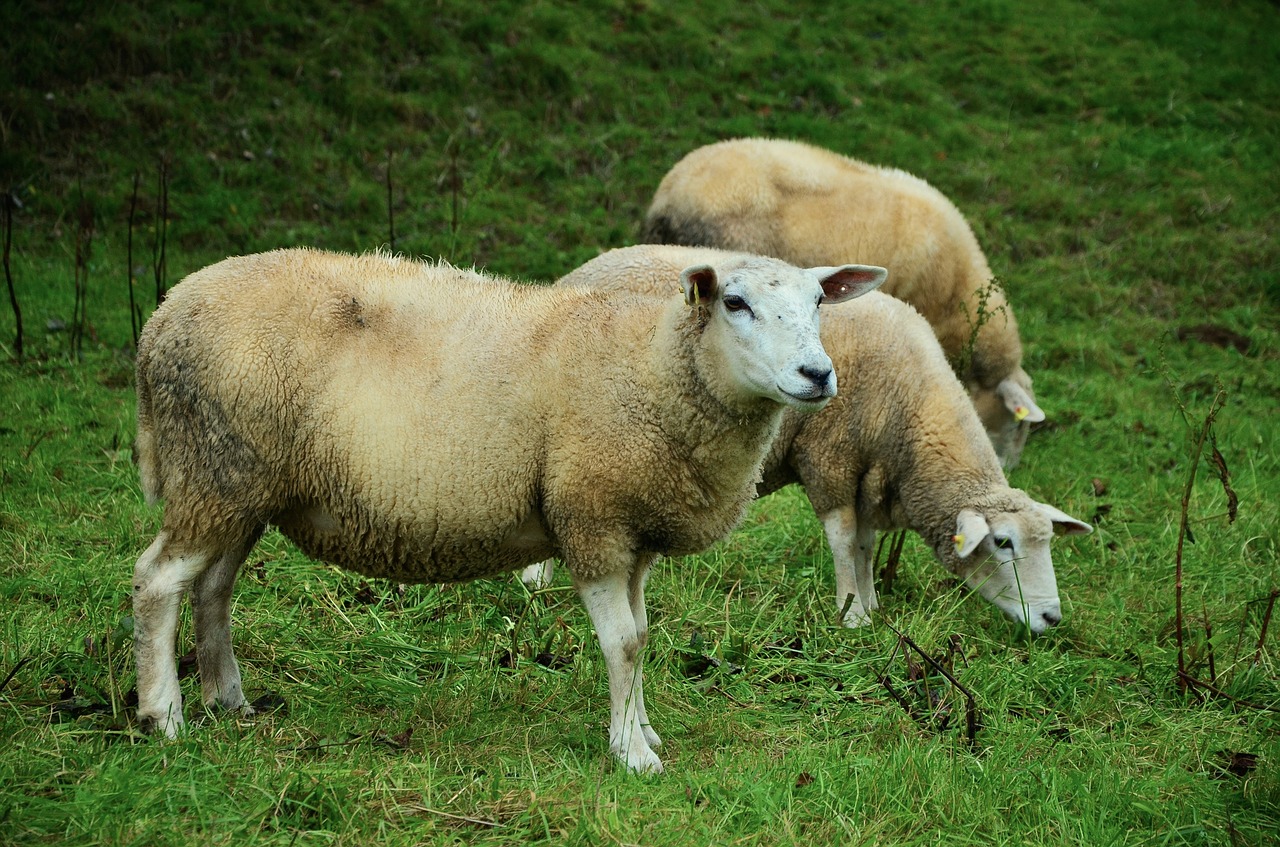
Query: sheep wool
900, 447
424, 423
808, 205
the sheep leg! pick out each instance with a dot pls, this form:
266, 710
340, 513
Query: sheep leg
640, 614
538, 575
159, 580
608, 603
211, 606
851, 547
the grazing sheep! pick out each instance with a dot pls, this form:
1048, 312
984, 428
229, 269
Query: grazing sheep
429, 424
901, 447
810, 206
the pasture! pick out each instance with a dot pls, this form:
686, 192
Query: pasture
1119, 163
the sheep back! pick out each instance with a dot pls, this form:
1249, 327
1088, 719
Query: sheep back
810, 206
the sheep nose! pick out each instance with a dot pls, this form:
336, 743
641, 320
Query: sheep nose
820, 377
1051, 618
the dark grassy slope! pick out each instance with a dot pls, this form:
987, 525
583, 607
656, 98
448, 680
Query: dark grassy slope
555, 123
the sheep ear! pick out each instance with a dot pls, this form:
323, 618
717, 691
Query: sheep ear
849, 281
700, 284
1018, 401
1064, 524
971, 528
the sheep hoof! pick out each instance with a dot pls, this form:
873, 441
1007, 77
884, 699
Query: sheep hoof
853, 619
152, 725
652, 737
644, 762
536, 576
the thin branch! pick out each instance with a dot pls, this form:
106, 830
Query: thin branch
463, 818
889, 572
1208, 641
135, 317
971, 707
1266, 621
1219, 400
391, 213
84, 248
9, 676
9, 203
1189, 680
160, 245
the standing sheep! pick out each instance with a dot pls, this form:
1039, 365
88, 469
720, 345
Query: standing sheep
793, 201
424, 423
901, 447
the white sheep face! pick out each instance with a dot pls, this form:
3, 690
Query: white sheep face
1005, 557
763, 325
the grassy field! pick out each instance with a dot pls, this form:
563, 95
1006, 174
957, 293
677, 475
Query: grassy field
1120, 162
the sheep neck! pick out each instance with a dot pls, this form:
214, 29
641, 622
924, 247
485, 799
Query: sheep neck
699, 421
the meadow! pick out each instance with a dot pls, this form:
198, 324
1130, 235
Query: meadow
1119, 162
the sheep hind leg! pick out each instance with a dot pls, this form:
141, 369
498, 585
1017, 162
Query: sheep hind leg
211, 606
851, 553
635, 597
160, 577
539, 574
608, 603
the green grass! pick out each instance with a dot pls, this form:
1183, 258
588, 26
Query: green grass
1118, 162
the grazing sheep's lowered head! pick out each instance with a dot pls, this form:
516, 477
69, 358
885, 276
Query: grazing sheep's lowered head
1007, 412
1001, 550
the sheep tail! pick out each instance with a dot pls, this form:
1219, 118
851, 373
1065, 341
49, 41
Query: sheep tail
146, 454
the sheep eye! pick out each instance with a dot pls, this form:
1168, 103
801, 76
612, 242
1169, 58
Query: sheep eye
734, 303
1004, 542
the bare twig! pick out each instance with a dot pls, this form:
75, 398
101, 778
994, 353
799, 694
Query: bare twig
1208, 641
463, 818
84, 247
9, 203
1219, 400
971, 706
14, 672
160, 245
455, 187
1190, 681
889, 572
888, 686
391, 214
135, 317
31, 448
1224, 475
1266, 621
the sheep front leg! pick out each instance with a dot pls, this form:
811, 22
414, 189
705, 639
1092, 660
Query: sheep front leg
608, 602
159, 580
640, 615
851, 550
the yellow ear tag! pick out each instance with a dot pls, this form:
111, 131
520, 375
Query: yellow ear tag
1021, 412
959, 540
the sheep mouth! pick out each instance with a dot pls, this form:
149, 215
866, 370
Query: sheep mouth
818, 398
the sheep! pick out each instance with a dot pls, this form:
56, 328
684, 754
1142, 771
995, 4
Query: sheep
429, 424
901, 447
791, 200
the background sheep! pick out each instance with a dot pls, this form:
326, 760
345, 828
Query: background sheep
811, 206
900, 447
424, 423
